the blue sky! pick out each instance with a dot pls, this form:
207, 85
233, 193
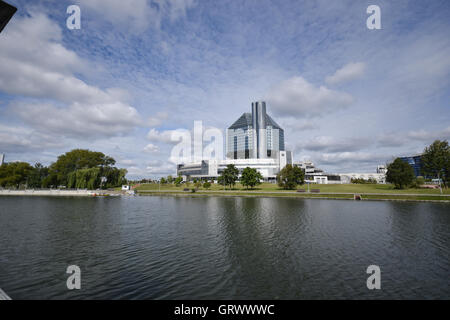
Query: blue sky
348, 97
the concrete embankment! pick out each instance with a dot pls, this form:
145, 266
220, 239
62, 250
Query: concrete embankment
334, 196
67, 193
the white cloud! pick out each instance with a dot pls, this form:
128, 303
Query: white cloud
154, 168
347, 73
35, 64
161, 169
167, 136
137, 14
351, 157
151, 148
333, 144
397, 139
21, 139
429, 136
158, 119
391, 140
127, 162
80, 120
297, 97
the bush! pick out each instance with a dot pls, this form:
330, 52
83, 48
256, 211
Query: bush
418, 182
363, 181
207, 185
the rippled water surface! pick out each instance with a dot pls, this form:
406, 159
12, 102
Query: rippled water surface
222, 248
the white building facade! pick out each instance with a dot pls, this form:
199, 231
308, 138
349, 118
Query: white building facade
254, 140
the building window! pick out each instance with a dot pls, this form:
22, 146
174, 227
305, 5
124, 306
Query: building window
269, 153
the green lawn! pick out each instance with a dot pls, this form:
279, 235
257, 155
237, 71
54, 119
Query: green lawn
324, 188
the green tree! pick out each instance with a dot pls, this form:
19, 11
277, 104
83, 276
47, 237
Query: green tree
178, 181
82, 168
400, 173
250, 177
221, 180
207, 185
229, 176
170, 179
15, 174
37, 176
436, 161
290, 176
198, 185
75, 160
163, 180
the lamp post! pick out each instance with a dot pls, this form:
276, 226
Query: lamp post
439, 180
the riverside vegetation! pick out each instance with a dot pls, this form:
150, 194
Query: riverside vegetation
402, 184
79, 168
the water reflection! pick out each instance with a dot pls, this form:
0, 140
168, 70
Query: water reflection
222, 248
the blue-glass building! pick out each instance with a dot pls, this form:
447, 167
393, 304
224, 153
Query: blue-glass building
255, 135
415, 162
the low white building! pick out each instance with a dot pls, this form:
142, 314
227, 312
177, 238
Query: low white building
347, 177
2, 158
382, 169
316, 175
211, 169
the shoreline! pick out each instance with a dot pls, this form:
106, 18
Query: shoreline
445, 198
325, 196
60, 193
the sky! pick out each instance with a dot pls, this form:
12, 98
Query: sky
349, 98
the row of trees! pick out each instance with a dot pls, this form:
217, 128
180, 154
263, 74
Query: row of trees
250, 177
288, 178
435, 164
79, 168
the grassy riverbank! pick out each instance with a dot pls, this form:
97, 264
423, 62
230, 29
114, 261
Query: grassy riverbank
341, 191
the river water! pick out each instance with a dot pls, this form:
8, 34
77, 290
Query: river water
223, 248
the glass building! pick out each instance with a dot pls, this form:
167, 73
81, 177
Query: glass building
415, 162
255, 135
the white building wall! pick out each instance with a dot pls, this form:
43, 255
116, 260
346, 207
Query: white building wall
347, 177
283, 159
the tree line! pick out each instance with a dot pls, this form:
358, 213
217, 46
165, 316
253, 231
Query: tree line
79, 168
435, 165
